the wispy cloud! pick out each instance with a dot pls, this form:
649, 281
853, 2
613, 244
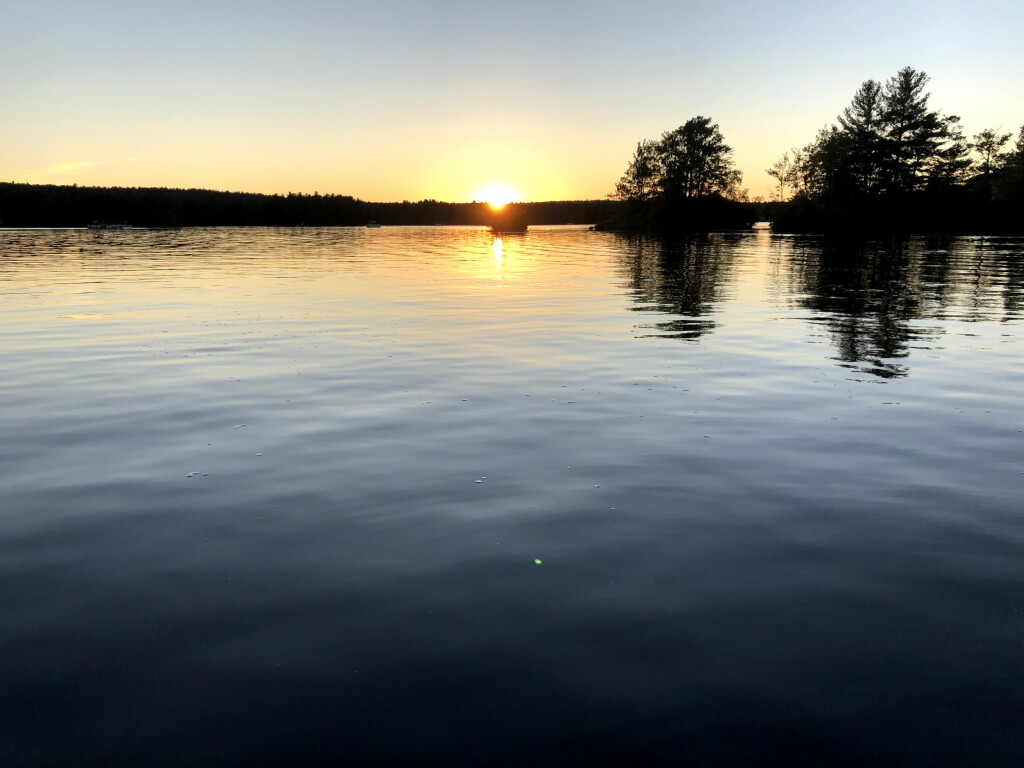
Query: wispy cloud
62, 171
66, 169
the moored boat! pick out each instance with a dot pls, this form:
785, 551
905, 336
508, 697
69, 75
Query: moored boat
507, 230
509, 221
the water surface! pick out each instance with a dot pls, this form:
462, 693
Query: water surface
412, 495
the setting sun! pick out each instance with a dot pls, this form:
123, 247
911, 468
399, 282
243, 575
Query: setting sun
497, 196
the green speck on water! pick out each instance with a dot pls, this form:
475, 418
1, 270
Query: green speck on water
537, 560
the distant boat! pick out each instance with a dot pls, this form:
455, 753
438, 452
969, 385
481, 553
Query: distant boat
372, 225
110, 225
506, 229
509, 221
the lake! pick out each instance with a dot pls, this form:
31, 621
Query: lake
418, 496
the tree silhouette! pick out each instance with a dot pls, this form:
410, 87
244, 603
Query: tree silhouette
1008, 184
989, 146
888, 141
863, 123
785, 172
695, 161
640, 181
685, 180
688, 163
951, 163
46, 205
891, 162
912, 133
825, 170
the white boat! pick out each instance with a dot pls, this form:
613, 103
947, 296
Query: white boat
372, 225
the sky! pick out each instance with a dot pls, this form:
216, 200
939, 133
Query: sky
447, 99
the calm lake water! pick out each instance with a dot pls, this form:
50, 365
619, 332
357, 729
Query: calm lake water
413, 495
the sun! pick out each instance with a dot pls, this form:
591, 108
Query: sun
497, 196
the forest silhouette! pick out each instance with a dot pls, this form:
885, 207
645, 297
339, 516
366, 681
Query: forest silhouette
47, 205
890, 163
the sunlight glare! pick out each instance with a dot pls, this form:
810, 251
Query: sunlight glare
497, 196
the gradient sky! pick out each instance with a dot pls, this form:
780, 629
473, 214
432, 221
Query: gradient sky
412, 100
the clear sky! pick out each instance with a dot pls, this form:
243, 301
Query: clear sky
444, 98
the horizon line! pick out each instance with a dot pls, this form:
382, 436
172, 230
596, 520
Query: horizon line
315, 193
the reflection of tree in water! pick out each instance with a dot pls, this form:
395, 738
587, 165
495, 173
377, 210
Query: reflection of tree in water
866, 297
1013, 285
678, 277
877, 302
871, 296
988, 277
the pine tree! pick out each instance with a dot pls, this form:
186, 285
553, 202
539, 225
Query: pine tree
863, 122
912, 133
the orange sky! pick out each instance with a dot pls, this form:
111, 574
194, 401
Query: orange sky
405, 100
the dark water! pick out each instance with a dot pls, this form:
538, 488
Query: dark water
278, 497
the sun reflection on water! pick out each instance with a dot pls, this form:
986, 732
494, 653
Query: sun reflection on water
498, 248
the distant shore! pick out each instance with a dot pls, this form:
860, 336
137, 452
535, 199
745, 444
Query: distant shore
71, 206
50, 205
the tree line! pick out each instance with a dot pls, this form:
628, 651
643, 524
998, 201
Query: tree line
48, 205
685, 180
890, 162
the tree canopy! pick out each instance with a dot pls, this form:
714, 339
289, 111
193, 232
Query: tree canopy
687, 163
892, 160
888, 141
684, 180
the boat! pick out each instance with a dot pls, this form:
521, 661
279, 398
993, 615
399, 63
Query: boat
110, 225
506, 230
372, 225
509, 221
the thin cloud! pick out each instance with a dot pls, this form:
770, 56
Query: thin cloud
61, 171
64, 169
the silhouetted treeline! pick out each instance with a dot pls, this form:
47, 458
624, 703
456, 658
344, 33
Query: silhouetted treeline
684, 181
43, 205
890, 164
